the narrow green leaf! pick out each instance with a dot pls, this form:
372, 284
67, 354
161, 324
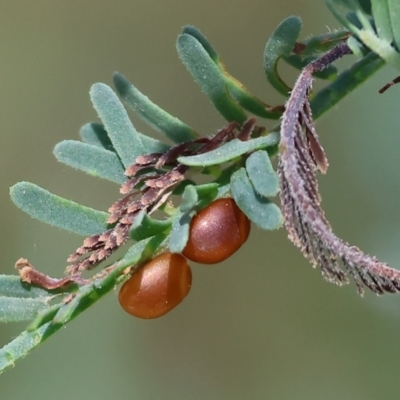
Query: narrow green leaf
14, 309
323, 43
365, 6
122, 133
258, 209
196, 197
224, 190
280, 43
367, 35
229, 151
12, 286
353, 5
381, 14
332, 6
153, 145
207, 189
144, 227
193, 31
44, 316
354, 19
180, 232
394, 13
358, 48
28, 340
93, 160
57, 211
180, 187
261, 173
20, 301
23, 344
224, 180
155, 116
137, 253
94, 133
236, 90
189, 198
248, 101
209, 76
345, 83
87, 294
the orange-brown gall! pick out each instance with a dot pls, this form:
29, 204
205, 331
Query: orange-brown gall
216, 232
157, 287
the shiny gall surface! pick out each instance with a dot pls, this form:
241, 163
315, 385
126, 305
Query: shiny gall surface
157, 287
216, 232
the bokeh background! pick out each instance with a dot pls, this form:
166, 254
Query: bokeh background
262, 325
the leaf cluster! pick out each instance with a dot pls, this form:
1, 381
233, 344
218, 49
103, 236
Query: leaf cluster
238, 168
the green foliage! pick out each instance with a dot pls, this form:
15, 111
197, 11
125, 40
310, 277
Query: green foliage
281, 43
90, 159
180, 231
262, 175
238, 168
194, 198
381, 34
154, 115
57, 211
51, 319
20, 301
209, 76
94, 133
144, 227
227, 94
258, 208
229, 151
123, 135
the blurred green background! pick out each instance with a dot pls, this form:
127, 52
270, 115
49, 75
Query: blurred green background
262, 325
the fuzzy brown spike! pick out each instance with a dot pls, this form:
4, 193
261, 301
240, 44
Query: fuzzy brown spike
147, 192
300, 156
146, 159
133, 169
